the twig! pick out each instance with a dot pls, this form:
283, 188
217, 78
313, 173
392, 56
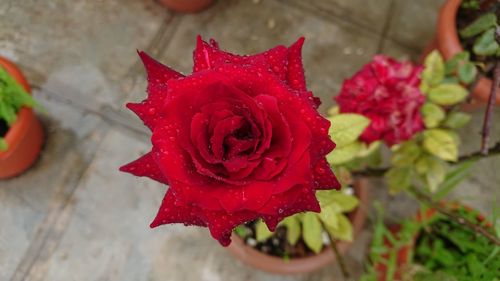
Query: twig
338, 256
454, 216
378, 172
489, 109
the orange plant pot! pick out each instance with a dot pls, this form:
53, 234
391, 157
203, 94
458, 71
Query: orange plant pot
273, 264
448, 44
186, 6
24, 138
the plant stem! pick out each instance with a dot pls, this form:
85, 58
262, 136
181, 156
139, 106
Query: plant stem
421, 196
489, 109
378, 172
338, 256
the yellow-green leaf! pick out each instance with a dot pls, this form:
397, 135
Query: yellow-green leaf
441, 143
292, 225
347, 127
343, 202
262, 233
344, 229
435, 174
456, 120
398, 179
341, 155
433, 72
448, 94
433, 114
312, 232
329, 214
406, 154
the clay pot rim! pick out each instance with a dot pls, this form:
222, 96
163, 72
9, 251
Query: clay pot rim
17, 130
277, 265
448, 44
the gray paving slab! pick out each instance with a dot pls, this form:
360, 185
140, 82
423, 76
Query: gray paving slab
412, 23
332, 52
30, 203
77, 43
371, 15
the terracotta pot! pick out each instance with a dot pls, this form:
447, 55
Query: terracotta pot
448, 44
24, 138
404, 255
278, 265
186, 6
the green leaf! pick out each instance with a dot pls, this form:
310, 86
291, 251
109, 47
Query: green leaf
312, 230
406, 154
486, 45
453, 178
342, 201
3, 144
467, 72
480, 25
242, 231
433, 72
329, 215
433, 114
262, 233
343, 231
347, 127
398, 179
344, 154
435, 174
292, 225
456, 120
448, 94
441, 143
458, 59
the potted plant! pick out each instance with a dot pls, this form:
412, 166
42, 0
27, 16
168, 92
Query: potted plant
21, 135
461, 245
303, 243
469, 27
186, 6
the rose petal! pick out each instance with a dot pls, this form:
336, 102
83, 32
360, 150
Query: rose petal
145, 166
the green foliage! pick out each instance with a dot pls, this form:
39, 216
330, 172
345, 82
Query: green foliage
453, 178
262, 233
433, 114
480, 25
345, 130
344, 154
312, 232
456, 120
12, 98
398, 178
467, 72
486, 45
433, 73
310, 226
441, 143
482, 30
456, 251
448, 94
292, 225
347, 127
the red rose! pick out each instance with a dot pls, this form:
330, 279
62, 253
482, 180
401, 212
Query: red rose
238, 139
387, 92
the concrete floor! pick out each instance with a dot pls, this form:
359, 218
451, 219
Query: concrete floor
73, 216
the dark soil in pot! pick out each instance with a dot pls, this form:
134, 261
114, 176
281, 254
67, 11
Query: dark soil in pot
3, 128
466, 17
